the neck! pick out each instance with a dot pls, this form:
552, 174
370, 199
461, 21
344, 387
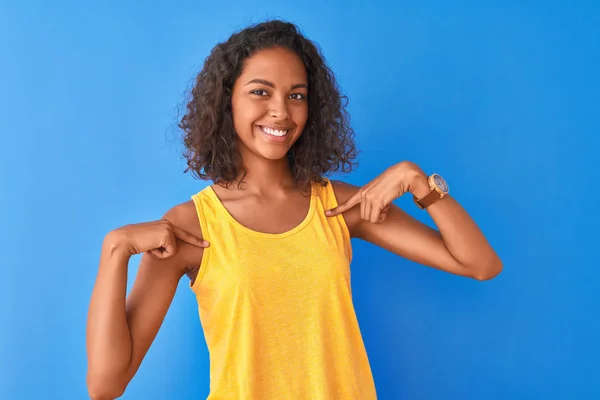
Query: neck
266, 178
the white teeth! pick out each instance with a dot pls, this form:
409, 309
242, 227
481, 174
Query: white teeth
274, 132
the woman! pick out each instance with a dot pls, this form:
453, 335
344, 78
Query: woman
266, 123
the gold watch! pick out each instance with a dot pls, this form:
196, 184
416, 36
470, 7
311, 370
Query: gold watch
439, 188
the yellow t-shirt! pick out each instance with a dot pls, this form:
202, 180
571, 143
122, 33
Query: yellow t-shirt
277, 310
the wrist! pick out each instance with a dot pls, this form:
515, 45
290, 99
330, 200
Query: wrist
420, 186
115, 245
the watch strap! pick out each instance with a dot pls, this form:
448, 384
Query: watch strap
428, 199
434, 195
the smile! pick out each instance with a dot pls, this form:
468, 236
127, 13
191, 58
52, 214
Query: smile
274, 132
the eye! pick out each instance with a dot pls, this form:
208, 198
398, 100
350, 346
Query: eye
259, 91
299, 96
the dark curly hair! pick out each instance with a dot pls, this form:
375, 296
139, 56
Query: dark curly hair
327, 142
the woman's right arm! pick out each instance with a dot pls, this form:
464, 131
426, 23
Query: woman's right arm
121, 329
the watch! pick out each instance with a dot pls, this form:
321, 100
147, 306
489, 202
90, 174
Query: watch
439, 188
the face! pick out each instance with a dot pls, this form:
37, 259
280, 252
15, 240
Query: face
269, 103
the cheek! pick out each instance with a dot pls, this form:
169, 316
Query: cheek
300, 114
245, 114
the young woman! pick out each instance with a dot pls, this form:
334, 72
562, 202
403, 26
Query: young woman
267, 246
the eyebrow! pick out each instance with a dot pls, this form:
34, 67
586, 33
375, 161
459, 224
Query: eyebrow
270, 84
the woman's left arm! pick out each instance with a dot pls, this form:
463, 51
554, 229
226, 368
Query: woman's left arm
458, 246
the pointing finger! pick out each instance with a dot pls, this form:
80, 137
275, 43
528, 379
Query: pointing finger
348, 204
188, 237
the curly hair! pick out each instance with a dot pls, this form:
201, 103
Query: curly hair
327, 142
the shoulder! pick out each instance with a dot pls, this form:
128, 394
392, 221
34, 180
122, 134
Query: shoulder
184, 216
343, 191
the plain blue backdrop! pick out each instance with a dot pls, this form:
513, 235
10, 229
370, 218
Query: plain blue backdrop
501, 98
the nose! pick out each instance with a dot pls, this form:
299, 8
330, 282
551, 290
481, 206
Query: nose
278, 108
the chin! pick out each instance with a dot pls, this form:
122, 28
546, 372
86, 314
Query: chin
272, 154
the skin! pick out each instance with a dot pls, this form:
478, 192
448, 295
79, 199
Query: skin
271, 91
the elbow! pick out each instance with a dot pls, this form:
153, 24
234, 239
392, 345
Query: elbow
104, 388
489, 271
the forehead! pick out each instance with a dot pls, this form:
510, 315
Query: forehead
277, 64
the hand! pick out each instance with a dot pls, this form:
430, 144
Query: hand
157, 238
376, 196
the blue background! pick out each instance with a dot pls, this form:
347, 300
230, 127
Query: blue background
501, 98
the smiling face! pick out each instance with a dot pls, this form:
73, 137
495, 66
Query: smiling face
269, 103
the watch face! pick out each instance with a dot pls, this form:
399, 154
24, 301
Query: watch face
441, 183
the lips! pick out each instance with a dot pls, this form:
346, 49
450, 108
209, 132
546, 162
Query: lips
275, 130
274, 133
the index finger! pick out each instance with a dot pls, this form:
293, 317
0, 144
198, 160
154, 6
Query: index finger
348, 204
188, 237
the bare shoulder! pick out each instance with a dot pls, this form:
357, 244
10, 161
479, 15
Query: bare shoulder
184, 216
343, 191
